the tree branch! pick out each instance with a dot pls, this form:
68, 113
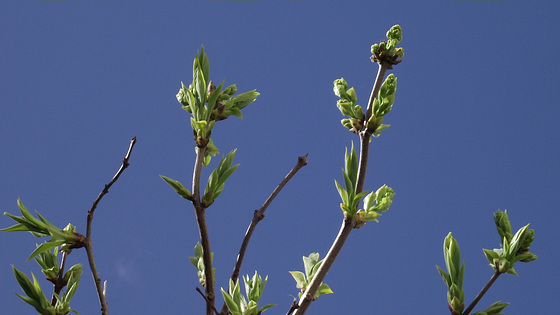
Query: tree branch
258, 215
348, 224
482, 292
88, 246
203, 231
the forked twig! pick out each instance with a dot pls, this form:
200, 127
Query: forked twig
88, 246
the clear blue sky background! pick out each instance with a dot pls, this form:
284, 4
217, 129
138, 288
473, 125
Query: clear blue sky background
474, 129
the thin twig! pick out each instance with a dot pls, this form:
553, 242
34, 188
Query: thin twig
88, 246
348, 224
207, 301
383, 67
482, 292
258, 215
203, 231
293, 308
59, 280
365, 136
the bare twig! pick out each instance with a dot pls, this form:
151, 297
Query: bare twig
207, 301
348, 223
258, 215
482, 292
88, 246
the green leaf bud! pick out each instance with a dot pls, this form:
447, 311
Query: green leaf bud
230, 90
375, 49
395, 33
399, 52
340, 87
346, 123
503, 225
242, 100
182, 95
352, 97
384, 199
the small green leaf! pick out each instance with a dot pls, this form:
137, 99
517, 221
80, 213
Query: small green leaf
44, 247
300, 279
242, 100
178, 187
232, 306
323, 289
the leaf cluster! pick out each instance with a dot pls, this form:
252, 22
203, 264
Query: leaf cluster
68, 237
198, 261
241, 305
374, 202
381, 106
311, 265
208, 103
387, 51
515, 247
36, 298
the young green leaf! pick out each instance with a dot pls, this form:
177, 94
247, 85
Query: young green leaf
178, 187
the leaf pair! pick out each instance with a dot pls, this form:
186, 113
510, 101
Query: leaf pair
238, 304
311, 265
383, 197
350, 199
215, 185
217, 179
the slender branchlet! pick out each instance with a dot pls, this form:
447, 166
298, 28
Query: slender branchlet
59, 284
482, 292
258, 215
88, 246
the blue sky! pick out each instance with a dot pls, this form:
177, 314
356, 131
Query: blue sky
474, 129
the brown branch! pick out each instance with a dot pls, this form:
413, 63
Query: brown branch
482, 292
200, 210
207, 301
258, 215
88, 246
